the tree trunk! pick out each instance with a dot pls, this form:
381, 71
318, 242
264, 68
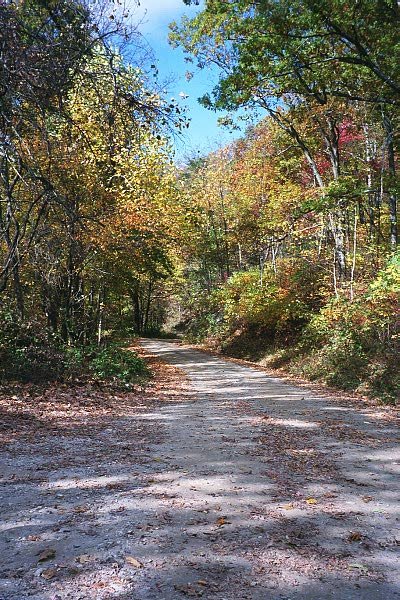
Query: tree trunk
387, 123
148, 304
137, 313
19, 297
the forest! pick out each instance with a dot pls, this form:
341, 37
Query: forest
280, 247
199, 351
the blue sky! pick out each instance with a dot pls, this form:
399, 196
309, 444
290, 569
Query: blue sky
204, 134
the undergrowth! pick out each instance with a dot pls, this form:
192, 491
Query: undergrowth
30, 354
287, 323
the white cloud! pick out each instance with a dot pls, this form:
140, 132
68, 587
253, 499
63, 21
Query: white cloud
153, 16
161, 7
155, 11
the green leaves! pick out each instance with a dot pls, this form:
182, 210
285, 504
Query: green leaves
307, 49
116, 363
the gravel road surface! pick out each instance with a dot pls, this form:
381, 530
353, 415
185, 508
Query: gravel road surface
244, 487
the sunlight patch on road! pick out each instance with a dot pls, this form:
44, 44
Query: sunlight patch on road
87, 483
296, 423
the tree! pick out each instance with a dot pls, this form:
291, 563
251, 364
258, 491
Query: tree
86, 174
43, 46
316, 58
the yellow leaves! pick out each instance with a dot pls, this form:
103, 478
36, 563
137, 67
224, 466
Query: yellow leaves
121, 171
290, 506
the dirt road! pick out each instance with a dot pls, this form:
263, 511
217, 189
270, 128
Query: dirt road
247, 488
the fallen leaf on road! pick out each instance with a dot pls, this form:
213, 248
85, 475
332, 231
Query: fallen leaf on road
189, 590
114, 486
84, 558
222, 521
311, 501
49, 573
133, 562
81, 509
355, 536
46, 554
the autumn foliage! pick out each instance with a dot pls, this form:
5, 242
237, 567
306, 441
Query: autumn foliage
282, 244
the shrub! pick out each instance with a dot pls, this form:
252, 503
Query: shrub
29, 353
116, 363
355, 344
276, 304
